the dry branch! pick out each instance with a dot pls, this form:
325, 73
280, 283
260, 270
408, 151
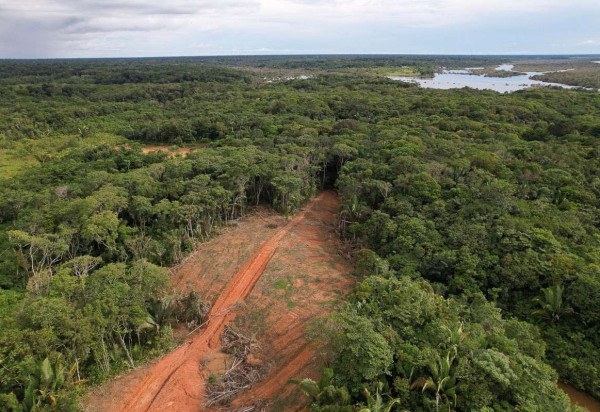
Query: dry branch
235, 343
241, 375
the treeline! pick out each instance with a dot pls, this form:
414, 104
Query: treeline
115, 71
85, 200
459, 196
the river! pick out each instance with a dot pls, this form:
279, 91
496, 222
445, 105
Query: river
580, 398
457, 79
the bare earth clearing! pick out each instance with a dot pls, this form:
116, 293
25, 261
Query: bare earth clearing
275, 277
171, 151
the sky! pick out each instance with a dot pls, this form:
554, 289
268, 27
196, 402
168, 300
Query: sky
136, 28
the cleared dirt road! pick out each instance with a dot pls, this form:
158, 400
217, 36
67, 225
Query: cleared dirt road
176, 381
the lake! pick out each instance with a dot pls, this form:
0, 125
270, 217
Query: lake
457, 79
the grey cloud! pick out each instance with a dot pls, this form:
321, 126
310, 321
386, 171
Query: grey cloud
91, 28
39, 27
24, 38
93, 9
67, 22
57, 28
141, 7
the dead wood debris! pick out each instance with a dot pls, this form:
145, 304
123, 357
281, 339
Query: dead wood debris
241, 375
235, 343
259, 406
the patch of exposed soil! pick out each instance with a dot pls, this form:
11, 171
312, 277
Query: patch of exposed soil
170, 150
215, 262
305, 280
292, 274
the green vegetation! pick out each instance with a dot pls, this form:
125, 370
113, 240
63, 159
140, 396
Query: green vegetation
18, 155
583, 76
391, 71
492, 72
473, 214
398, 337
576, 72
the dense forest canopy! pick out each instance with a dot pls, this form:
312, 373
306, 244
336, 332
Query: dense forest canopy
473, 216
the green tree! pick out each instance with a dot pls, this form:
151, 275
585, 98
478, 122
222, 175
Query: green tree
552, 304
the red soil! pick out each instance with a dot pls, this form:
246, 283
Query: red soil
305, 278
317, 277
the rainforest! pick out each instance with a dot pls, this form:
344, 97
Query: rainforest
440, 247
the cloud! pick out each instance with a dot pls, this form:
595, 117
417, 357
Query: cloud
31, 28
53, 28
590, 42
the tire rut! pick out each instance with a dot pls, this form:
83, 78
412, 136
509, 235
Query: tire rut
175, 381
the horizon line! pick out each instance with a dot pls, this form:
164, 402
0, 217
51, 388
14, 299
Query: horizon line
365, 54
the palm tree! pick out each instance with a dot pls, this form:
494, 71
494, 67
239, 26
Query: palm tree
313, 389
455, 335
551, 304
324, 393
349, 214
376, 403
442, 381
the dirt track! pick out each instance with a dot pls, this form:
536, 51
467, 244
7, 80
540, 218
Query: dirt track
176, 382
